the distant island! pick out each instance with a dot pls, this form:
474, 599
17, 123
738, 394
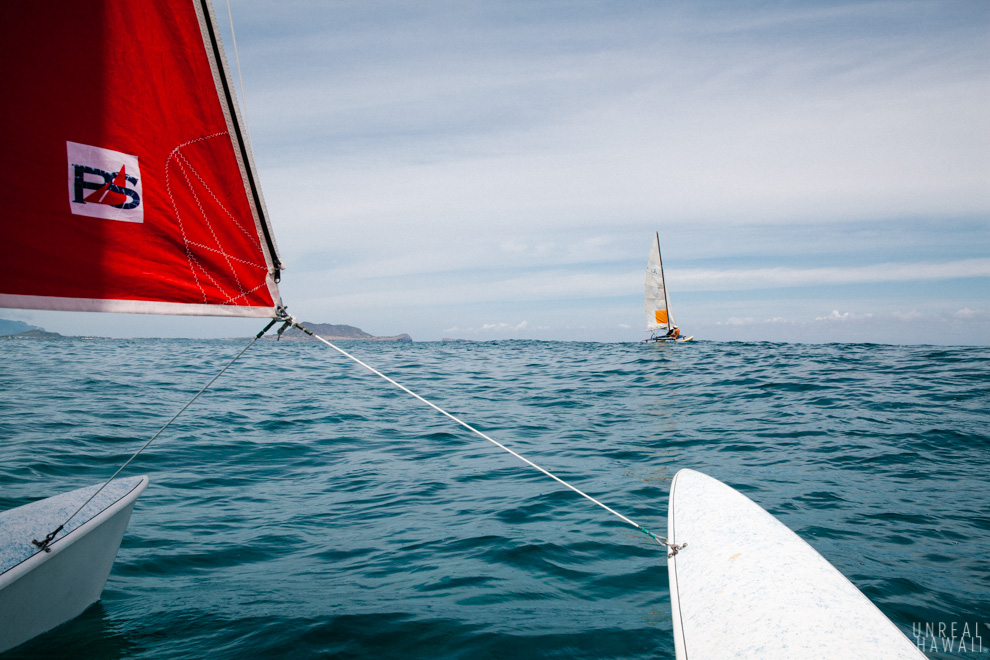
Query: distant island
34, 333
21, 330
15, 327
333, 332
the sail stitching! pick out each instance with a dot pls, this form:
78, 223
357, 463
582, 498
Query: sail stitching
206, 273
195, 264
251, 236
230, 300
183, 165
229, 257
178, 217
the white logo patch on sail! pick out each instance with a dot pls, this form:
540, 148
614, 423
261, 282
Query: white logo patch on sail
104, 183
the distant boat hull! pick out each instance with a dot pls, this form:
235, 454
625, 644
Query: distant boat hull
46, 589
667, 340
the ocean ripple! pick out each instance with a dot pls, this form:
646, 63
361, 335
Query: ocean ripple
305, 508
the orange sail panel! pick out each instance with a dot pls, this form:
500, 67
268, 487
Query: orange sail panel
137, 190
661, 315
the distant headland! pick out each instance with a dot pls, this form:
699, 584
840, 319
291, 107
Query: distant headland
34, 333
332, 332
21, 330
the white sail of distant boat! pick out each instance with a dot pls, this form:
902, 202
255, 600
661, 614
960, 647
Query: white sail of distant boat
142, 197
659, 317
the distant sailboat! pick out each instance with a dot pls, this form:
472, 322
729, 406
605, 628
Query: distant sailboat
659, 317
158, 212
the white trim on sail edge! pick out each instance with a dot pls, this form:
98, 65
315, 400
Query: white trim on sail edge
17, 301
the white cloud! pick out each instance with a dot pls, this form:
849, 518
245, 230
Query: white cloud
495, 328
472, 289
467, 117
749, 320
761, 278
505, 327
847, 316
967, 313
366, 286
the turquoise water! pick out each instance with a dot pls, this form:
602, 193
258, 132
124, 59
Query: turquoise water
305, 508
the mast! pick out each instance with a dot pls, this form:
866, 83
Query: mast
666, 302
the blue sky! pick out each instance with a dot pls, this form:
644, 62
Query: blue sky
818, 171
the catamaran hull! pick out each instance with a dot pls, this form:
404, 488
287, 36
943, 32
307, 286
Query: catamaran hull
746, 586
50, 588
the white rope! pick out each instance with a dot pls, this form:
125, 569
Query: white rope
44, 543
477, 432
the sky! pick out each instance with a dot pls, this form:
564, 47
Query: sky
817, 171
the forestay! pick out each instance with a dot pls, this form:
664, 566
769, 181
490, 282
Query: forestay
130, 186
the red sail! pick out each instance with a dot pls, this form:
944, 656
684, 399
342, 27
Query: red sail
128, 185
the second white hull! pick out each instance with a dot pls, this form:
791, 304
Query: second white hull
50, 588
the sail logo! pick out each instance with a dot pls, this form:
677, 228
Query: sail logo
104, 183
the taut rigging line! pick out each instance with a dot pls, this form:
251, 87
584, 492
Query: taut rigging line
659, 539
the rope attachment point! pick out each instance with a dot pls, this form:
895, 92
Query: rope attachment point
47, 541
287, 321
674, 549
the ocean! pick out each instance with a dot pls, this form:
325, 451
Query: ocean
304, 508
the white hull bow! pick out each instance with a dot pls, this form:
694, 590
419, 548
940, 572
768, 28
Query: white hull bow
41, 590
